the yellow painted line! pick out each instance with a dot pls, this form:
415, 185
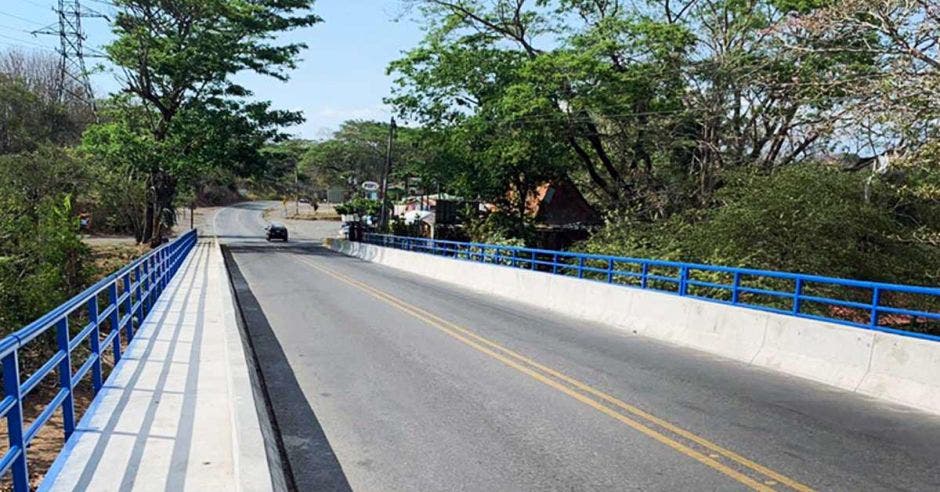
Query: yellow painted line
613, 400
493, 349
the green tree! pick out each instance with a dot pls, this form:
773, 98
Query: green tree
42, 258
652, 101
28, 121
803, 218
282, 175
602, 81
353, 154
178, 58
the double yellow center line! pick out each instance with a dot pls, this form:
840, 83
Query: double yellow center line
727, 462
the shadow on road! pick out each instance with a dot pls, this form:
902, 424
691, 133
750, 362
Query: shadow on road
310, 461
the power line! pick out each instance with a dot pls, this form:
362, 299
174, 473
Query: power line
25, 47
26, 44
24, 19
35, 3
16, 29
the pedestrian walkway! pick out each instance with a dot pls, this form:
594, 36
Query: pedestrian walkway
178, 412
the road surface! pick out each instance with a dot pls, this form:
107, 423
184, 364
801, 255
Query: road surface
382, 380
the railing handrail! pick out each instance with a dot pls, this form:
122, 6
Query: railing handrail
846, 282
522, 257
132, 292
32, 330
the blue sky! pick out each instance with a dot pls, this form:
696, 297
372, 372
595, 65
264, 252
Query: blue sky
342, 75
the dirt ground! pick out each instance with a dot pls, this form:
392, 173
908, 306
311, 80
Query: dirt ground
303, 211
305, 224
201, 219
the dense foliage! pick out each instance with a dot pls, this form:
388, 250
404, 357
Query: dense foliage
184, 115
180, 123
803, 218
42, 259
767, 133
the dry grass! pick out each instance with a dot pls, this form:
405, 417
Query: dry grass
108, 258
315, 216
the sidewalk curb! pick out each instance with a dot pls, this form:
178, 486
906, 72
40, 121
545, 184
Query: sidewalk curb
282, 478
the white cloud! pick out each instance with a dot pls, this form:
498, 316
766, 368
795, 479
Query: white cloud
343, 114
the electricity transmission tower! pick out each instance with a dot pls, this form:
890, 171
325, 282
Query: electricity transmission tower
73, 75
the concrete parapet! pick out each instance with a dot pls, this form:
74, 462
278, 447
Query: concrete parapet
890, 367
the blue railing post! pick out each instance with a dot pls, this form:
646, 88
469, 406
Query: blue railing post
161, 268
736, 283
798, 296
151, 278
610, 270
555, 263
158, 280
11, 388
644, 275
580, 267
65, 376
128, 307
167, 266
142, 289
164, 269
171, 261
115, 319
683, 280
875, 301
148, 285
532, 263
138, 297
96, 381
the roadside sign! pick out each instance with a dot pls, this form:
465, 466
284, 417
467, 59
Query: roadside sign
370, 186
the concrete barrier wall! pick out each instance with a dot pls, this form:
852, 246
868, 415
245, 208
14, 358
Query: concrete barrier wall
904, 370
890, 367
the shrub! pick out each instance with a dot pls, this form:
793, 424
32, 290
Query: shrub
803, 218
42, 258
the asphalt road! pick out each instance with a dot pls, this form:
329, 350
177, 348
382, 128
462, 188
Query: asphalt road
381, 380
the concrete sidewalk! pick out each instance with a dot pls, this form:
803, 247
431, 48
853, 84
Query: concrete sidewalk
178, 412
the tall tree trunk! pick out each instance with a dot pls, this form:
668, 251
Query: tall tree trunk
147, 233
163, 193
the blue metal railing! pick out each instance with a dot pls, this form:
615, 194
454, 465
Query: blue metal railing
131, 293
873, 305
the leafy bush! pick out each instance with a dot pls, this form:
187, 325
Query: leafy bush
803, 218
501, 228
42, 258
361, 206
400, 228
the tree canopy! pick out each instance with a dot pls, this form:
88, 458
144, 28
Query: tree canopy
183, 112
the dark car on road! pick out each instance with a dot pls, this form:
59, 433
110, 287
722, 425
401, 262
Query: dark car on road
276, 231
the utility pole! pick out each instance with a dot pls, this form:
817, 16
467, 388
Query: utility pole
383, 220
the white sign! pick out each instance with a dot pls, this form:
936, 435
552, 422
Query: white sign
370, 186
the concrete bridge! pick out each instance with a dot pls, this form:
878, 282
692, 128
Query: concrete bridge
397, 364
